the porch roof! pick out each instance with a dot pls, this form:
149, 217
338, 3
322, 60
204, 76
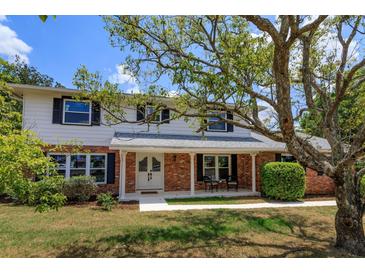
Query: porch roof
191, 143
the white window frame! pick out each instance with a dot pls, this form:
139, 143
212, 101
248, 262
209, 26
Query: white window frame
225, 123
105, 166
87, 173
57, 168
64, 112
159, 114
216, 163
87, 164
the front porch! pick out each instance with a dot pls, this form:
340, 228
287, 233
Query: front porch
183, 165
180, 175
187, 194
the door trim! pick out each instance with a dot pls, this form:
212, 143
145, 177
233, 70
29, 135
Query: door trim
162, 188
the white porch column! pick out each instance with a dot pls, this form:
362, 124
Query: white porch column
122, 174
192, 174
253, 166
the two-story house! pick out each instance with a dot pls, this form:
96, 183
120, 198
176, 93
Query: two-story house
133, 159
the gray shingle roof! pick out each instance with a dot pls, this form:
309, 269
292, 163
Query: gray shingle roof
191, 142
255, 142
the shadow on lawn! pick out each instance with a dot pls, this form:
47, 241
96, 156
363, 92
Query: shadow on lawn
190, 232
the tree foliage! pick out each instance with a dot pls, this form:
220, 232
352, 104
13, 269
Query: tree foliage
22, 160
236, 63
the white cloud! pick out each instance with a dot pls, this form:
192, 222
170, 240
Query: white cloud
11, 45
3, 18
125, 79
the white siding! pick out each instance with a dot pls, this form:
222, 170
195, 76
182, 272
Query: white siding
38, 117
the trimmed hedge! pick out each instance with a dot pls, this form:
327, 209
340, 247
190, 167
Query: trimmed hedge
283, 181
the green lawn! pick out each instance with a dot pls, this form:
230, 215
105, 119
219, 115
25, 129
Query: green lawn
86, 231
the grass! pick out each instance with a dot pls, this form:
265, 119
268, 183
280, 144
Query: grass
231, 200
87, 231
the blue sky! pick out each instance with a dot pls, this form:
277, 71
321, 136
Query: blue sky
59, 46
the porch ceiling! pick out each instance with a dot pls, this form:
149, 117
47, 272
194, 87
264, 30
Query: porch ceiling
191, 143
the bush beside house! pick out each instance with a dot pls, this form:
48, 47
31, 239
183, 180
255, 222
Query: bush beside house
79, 188
283, 181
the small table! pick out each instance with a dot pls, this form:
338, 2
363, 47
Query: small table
214, 183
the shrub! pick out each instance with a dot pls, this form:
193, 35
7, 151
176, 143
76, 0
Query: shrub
46, 194
283, 181
79, 188
106, 201
21, 160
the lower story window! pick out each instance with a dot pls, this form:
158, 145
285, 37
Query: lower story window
81, 164
60, 161
217, 166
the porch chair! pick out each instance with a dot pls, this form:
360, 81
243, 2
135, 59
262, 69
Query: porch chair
209, 183
231, 182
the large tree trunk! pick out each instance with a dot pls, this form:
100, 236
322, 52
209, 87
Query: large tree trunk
349, 224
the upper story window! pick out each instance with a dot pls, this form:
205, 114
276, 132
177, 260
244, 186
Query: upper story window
76, 112
218, 126
151, 111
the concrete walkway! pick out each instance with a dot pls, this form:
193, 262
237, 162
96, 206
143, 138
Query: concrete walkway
159, 204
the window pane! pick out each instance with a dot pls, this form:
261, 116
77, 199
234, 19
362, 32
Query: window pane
97, 161
209, 161
77, 118
150, 110
99, 174
210, 172
77, 172
223, 173
222, 161
61, 172
288, 158
142, 165
78, 161
217, 126
77, 106
60, 160
156, 165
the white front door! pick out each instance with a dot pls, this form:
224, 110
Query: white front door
149, 171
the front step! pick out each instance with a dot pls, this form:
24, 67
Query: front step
149, 192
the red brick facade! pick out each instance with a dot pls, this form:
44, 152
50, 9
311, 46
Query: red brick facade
130, 178
316, 184
177, 172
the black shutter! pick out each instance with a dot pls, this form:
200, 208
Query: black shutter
234, 166
278, 157
57, 111
199, 171
165, 116
229, 117
140, 113
95, 114
110, 176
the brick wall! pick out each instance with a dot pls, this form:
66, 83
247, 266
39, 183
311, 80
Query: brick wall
177, 171
318, 184
130, 178
315, 184
244, 168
